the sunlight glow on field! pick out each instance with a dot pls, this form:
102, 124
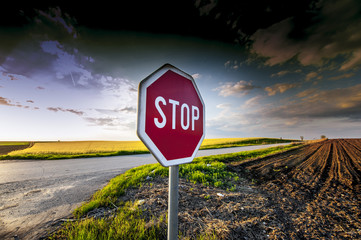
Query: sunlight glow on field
82, 147
76, 147
215, 141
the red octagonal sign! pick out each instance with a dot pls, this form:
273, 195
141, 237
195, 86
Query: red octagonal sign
171, 116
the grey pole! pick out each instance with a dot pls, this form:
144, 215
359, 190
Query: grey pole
173, 203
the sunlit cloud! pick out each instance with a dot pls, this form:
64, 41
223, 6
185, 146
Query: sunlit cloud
8, 102
311, 75
253, 101
306, 93
343, 76
353, 61
237, 89
280, 73
280, 88
5, 101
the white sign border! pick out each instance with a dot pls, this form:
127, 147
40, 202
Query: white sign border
142, 97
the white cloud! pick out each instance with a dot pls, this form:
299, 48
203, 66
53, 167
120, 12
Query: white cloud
229, 119
196, 75
223, 106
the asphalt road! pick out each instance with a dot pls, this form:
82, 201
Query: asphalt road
36, 195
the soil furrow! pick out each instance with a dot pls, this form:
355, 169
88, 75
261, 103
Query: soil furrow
318, 191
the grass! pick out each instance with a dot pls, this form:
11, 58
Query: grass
239, 142
80, 149
129, 222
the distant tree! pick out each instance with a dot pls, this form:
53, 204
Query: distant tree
323, 136
301, 138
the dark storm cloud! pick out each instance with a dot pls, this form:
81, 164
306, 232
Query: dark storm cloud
23, 21
27, 60
320, 104
240, 19
331, 30
50, 50
56, 19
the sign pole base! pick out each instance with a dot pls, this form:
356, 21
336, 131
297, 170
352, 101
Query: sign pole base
173, 202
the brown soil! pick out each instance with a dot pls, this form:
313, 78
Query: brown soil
308, 193
316, 187
9, 148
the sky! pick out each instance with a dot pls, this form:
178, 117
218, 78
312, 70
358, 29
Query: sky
264, 68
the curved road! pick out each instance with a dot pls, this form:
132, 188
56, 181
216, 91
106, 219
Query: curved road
36, 195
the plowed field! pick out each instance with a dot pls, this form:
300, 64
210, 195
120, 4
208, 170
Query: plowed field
5, 149
315, 190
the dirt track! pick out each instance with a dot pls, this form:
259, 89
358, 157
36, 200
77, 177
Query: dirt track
316, 189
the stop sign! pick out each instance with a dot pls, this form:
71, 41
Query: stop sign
171, 116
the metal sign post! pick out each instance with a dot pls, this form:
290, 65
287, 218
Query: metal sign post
173, 202
171, 123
